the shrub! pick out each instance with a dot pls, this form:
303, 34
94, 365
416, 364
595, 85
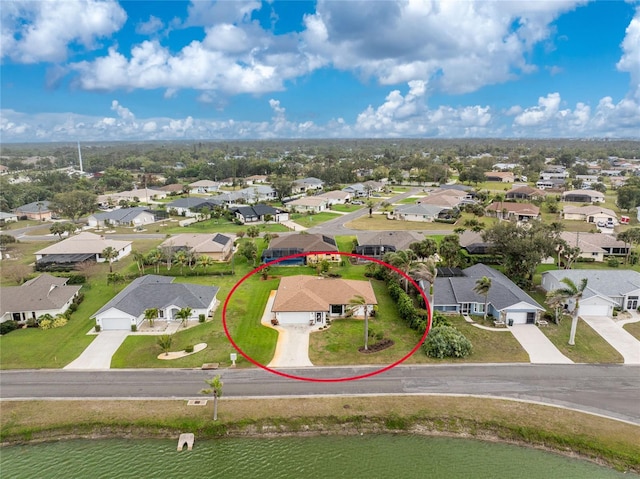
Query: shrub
446, 342
613, 262
201, 318
8, 326
59, 321
32, 323
97, 328
134, 328
439, 319
46, 324
188, 349
79, 298
73, 307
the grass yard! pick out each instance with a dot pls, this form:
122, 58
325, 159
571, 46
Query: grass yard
219, 226
589, 347
380, 222
345, 243
313, 220
633, 329
348, 208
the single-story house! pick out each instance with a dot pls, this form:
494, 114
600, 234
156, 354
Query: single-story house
254, 179
257, 193
474, 244
79, 248
357, 190
336, 197
191, 206
449, 197
525, 193
506, 301
555, 174
552, 184
44, 294
323, 247
215, 245
313, 299
377, 244
38, 210
172, 188
126, 309
314, 204
595, 246
424, 213
509, 210
583, 196
501, 176
305, 184
590, 214
255, 213
8, 217
606, 289
137, 216
142, 194
204, 186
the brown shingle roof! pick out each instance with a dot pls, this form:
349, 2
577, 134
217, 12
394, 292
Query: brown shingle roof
83, 243
44, 293
520, 208
313, 293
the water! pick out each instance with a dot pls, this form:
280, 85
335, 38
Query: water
369, 456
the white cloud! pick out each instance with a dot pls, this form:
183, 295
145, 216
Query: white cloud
630, 60
151, 26
122, 112
547, 108
456, 47
43, 31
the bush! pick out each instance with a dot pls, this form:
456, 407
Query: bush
446, 342
97, 328
8, 326
73, 307
32, 323
439, 319
189, 349
613, 262
59, 321
46, 324
134, 328
201, 318
79, 298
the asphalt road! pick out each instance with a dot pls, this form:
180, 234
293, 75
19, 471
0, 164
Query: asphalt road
609, 390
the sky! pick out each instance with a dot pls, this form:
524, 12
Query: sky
103, 70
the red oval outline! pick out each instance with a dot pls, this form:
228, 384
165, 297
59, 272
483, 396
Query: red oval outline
325, 380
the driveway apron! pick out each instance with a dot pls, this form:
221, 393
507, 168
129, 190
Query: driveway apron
621, 340
540, 349
98, 354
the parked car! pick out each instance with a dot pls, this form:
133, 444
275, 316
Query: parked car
601, 224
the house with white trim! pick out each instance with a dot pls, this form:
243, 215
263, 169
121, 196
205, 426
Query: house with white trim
137, 216
79, 248
315, 204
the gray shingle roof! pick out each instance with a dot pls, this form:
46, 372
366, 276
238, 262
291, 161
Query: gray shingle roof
601, 282
121, 215
429, 210
35, 207
152, 291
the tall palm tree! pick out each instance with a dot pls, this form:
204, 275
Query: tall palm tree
427, 271
151, 314
574, 293
109, 254
215, 388
181, 258
554, 301
403, 260
140, 259
355, 303
155, 257
204, 261
482, 287
183, 315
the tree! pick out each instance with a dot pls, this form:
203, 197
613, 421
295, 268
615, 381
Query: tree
571, 293
253, 231
154, 257
181, 258
428, 272
204, 261
446, 342
555, 301
482, 287
249, 250
425, 248
631, 236
140, 260
355, 303
240, 234
18, 273
109, 254
61, 228
450, 250
283, 186
215, 388
74, 204
87, 268
403, 260
165, 341
151, 314
183, 315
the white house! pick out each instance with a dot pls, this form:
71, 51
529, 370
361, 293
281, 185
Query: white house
8, 217
313, 299
79, 248
315, 204
307, 184
336, 197
204, 186
142, 194
137, 216
44, 294
423, 213
590, 214
126, 309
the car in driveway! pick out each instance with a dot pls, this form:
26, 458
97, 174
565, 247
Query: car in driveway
601, 224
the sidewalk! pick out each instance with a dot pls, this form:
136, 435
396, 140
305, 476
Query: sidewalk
621, 340
293, 226
540, 349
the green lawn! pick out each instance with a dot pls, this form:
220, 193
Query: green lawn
633, 329
346, 208
221, 226
345, 243
380, 222
313, 220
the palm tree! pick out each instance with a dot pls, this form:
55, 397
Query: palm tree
109, 254
215, 388
403, 260
572, 293
155, 257
140, 259
483, 285
204, 261
355, 303
183, 315
427, 271
182, 259
151, 315
165, 342
554, 301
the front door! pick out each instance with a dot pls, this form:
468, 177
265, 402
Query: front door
466, 307
318, 317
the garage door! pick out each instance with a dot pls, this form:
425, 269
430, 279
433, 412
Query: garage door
518, 318
116, 324
594, 310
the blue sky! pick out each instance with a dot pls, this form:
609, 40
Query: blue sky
93, 70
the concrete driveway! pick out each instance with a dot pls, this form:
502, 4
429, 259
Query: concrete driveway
98, 354
613, 333
540, 349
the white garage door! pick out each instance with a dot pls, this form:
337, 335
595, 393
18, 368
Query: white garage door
594, 310
116, 324
518, 318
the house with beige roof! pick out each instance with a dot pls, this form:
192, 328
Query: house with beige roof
314, 204
501, 176
591, 214
45, 294
204, 186
336, 197
65, 254
526, 192
215, 245
141, 194
595, 246
513, 211
254, 179
313, 299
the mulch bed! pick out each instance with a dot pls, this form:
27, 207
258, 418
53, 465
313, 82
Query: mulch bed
379, 346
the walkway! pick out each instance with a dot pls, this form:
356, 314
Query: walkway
613, 333
540, 349
293, 226
98, 354
292, 349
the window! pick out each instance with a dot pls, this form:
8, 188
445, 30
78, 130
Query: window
336, 309
161, 313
